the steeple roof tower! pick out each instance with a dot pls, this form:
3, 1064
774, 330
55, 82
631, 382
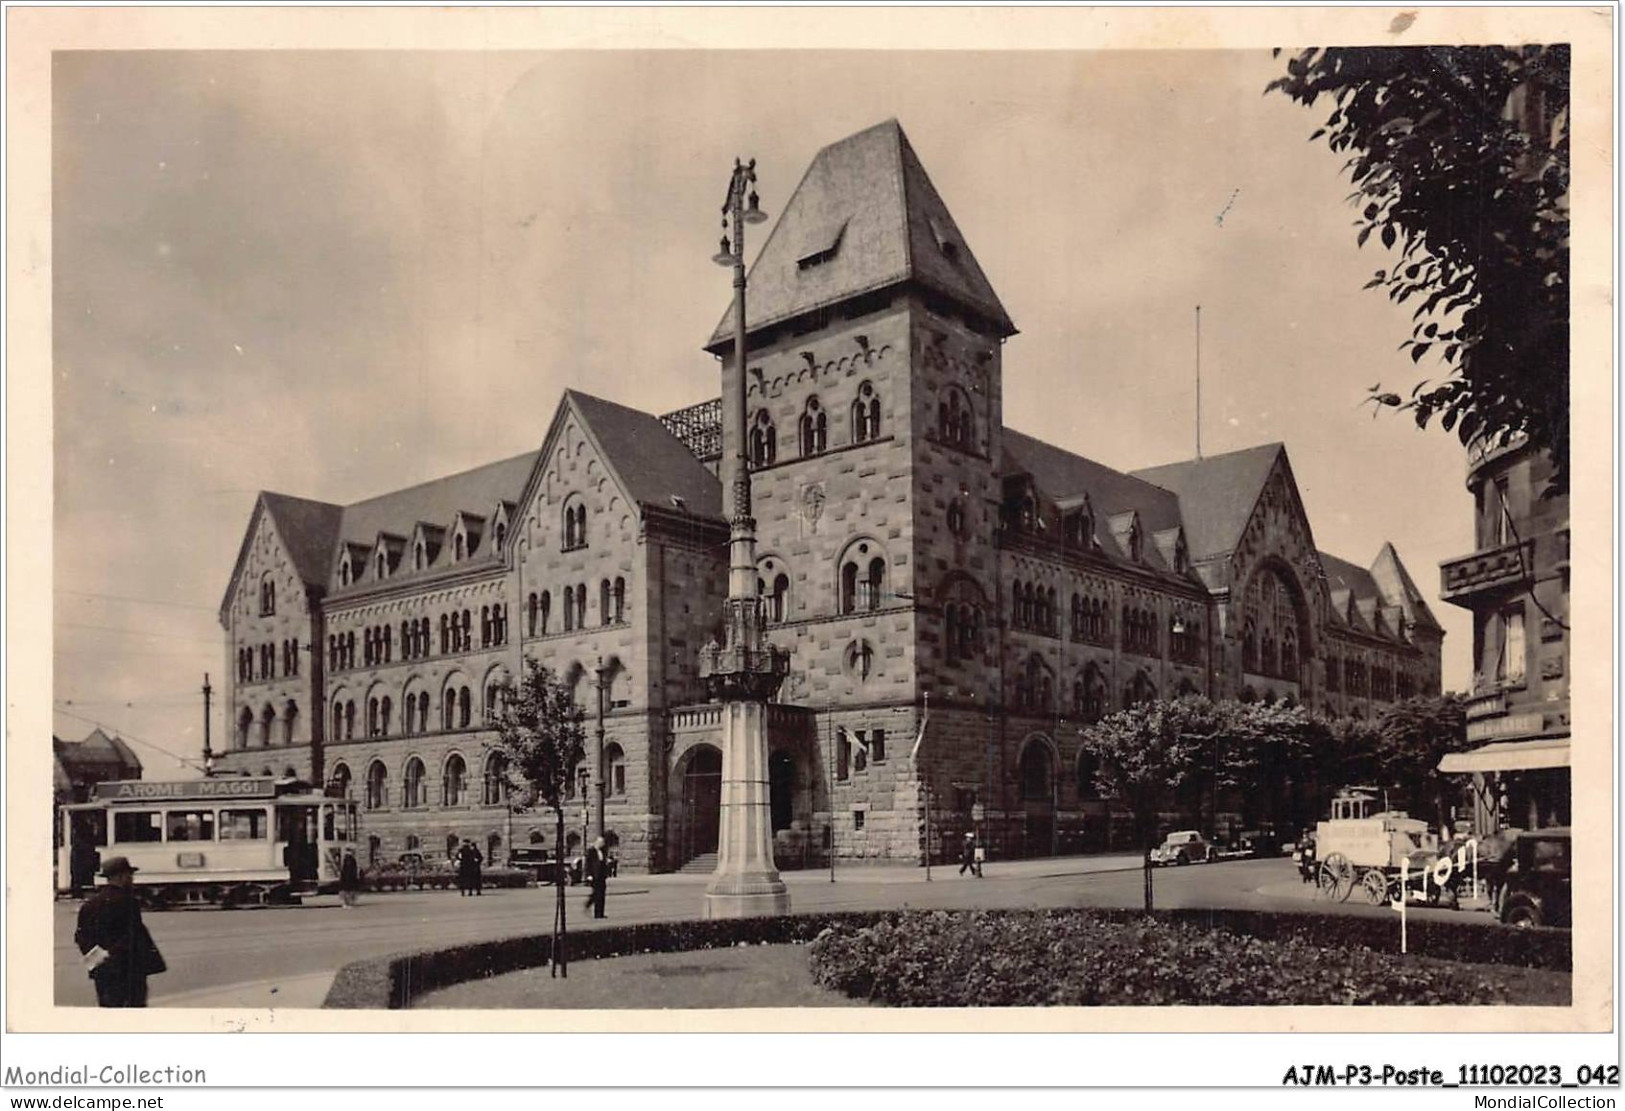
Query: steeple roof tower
864, 218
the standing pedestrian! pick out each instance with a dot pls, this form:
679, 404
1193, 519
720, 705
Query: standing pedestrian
468, 868
598, 876
349, 878
118, 951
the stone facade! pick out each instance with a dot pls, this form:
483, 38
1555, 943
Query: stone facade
915, 556
1516, 584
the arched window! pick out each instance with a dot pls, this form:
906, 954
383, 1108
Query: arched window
874, 583
1141, 689
459, 547
344, 571
547, 607
377, 785
338, 720
372, 717
1289, 654
605, 614
423, 711
501, 534
445, 634
532, 611
569, 609
866, 415
956, 518
420, 556
485, 626
1249, 647
464, 708
245, 722
764, 440
615, 770
575, 523
581, 605
496, 788
778, 598
814, 428
412, 784
1036, 778
383, 566
454, 781
366, 647
349, 720
384, 716
619, 599
956, 424
267, 595
340, 779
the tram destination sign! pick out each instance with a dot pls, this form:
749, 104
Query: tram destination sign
152, 790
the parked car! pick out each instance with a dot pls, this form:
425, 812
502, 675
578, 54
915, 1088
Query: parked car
1186, 846
540, 860
1536, 884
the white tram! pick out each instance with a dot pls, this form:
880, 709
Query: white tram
228, 840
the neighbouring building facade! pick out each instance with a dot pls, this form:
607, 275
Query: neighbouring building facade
913, 552
1516, 583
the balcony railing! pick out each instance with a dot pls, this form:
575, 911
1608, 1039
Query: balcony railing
1509, 565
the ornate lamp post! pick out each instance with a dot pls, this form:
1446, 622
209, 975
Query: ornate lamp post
744, 671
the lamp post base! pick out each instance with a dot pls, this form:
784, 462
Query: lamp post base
741, 896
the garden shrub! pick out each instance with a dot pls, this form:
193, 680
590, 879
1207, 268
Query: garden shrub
1082, 958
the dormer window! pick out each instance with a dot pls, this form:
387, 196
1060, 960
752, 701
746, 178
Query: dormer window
1135, 543
502, 533
383, 566
420, 556
345, 573
459, 548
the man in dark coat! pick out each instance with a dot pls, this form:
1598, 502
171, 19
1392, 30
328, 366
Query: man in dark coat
468, 869
597, 869
967, 857
117, 949
349, 878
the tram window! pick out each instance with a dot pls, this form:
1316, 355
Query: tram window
335, 823
138, 825
242, 825
190, 825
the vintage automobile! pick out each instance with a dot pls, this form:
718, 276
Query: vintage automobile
1185, 846
1535, 887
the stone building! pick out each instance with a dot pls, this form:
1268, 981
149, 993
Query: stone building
909, 546
1516, 583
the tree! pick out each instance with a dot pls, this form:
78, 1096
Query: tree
1147, 756
1273, 751
1460, 156
1412, 737
541, 737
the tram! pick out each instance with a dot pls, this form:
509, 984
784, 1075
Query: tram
226, 841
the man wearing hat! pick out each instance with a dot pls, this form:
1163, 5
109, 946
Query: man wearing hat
117, 949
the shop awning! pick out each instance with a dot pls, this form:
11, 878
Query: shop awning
1509, 756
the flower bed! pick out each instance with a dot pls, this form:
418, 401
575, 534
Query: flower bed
392, 982
1085, 958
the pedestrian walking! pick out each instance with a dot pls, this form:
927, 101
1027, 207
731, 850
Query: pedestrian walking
118, 951
970, 857
597, 868
349, 878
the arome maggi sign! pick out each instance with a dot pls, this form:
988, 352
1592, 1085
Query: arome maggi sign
148, 790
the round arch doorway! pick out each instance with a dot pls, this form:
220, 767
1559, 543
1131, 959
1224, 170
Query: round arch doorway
701, 812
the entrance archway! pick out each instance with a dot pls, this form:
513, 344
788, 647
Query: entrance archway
1036, 772
781, 776
702, 802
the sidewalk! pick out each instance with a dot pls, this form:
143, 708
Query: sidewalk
307, 990
886, 874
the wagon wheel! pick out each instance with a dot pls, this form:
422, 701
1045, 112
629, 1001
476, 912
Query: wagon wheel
1375, 885
1336, 878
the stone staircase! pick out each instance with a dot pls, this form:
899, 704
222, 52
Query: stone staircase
702, 865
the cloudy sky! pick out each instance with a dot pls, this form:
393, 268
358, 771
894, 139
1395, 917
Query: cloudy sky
335, 274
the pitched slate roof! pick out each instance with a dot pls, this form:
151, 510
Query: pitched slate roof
1398, 588
475, 492
97, 753
868, 212
1216, 494
654, 465
309, 529
1063, 476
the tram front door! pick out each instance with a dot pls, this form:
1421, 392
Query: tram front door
296, 829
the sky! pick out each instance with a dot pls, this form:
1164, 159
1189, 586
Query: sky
333, 274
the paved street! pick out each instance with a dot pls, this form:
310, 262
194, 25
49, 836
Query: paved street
286, 956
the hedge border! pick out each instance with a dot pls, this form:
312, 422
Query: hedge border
393, 982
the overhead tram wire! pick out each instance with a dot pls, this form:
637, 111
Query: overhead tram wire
123, 735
